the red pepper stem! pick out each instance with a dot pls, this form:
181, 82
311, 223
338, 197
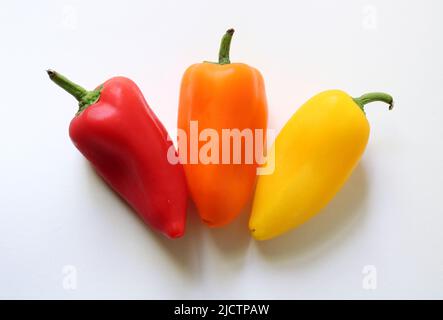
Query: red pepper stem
372, 97
225, 46
84, 97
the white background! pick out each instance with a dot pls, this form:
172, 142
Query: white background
56, 212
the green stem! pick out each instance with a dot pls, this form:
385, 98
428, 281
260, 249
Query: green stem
84, 97
225, 46
372, 97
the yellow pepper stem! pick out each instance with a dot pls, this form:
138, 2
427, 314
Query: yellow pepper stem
372, 97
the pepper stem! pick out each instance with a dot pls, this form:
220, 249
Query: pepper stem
372, 97
225, 46
84, 97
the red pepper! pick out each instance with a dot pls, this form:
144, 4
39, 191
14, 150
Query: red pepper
127, 145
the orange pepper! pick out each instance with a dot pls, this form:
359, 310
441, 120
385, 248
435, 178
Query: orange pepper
221, 96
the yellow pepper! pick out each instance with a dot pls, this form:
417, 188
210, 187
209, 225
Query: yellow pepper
314, 155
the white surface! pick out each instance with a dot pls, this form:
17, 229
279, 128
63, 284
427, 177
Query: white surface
55, 211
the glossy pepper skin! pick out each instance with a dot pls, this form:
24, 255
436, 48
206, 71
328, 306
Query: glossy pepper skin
127, 145
315, 154
220, 96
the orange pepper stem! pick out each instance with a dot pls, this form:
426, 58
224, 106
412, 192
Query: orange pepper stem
225, 46
372, 97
